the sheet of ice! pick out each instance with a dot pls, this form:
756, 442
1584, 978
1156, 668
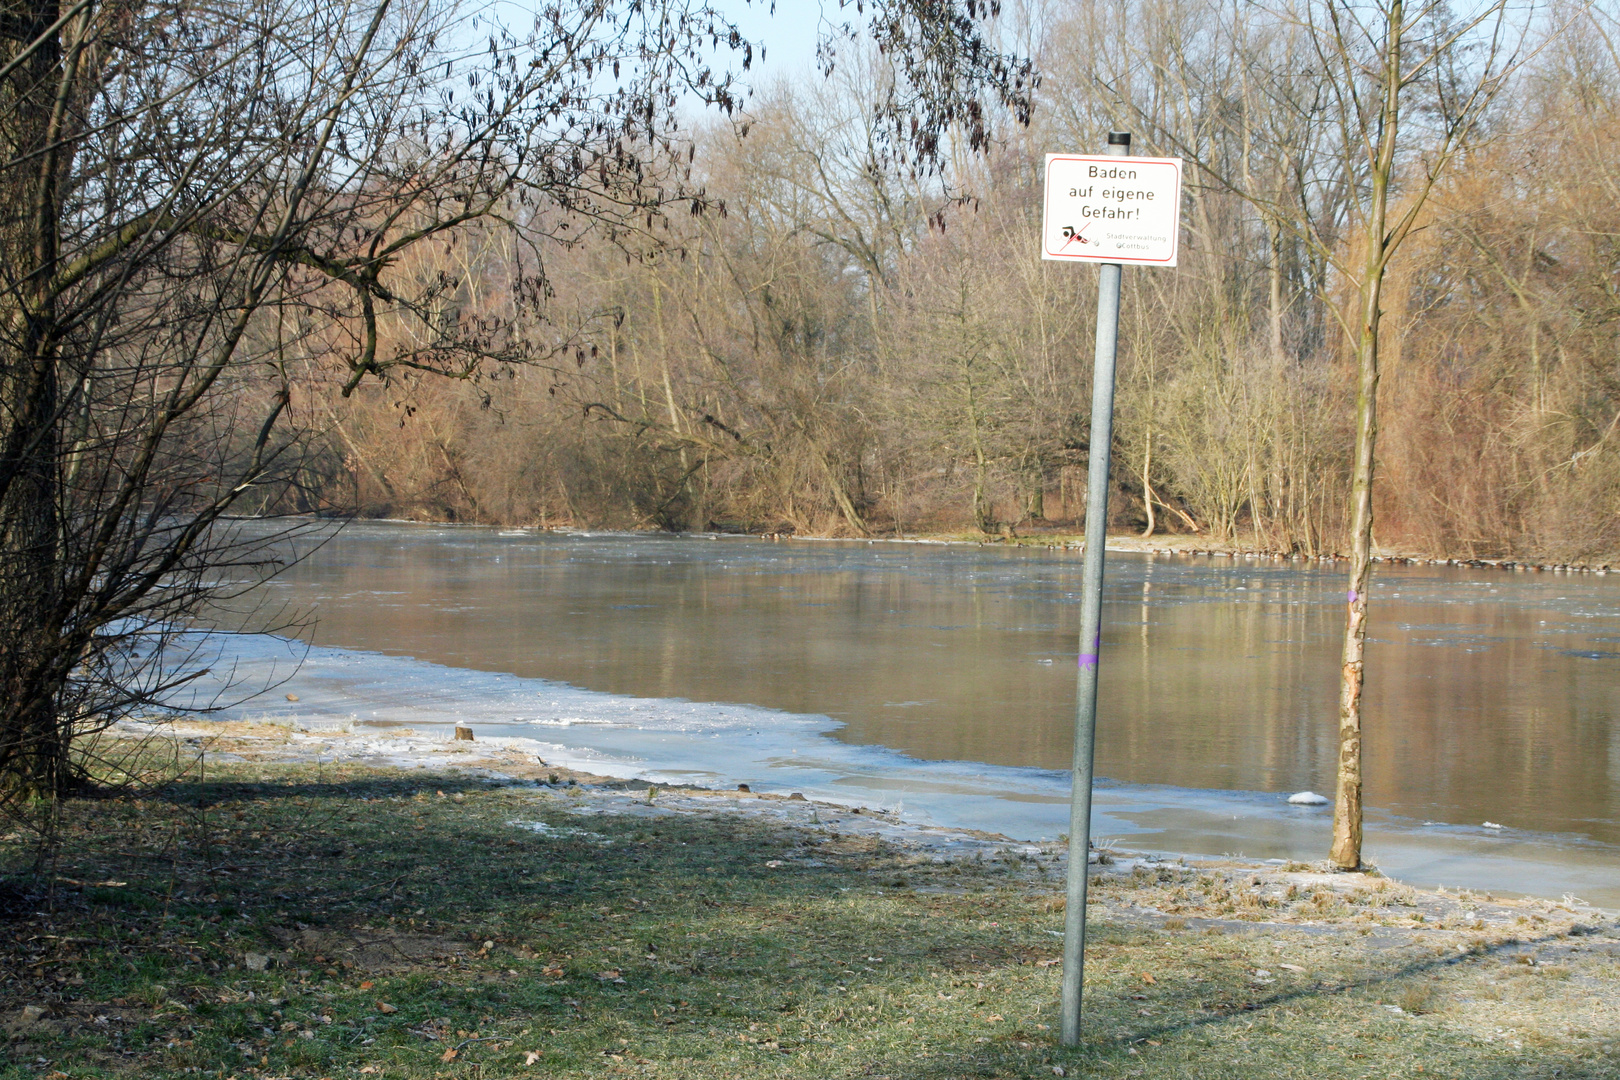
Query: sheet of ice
674, 741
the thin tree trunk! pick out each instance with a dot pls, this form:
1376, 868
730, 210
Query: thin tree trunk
694, 511
1347, 810
1035, 505
840, 492
1274, 276
1346, 851
1147, 482
981, 501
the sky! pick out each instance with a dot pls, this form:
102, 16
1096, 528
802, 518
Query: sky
789, 34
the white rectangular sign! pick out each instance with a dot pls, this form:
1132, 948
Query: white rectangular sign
1101, 208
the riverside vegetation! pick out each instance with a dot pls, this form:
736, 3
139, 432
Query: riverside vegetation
243, 913
847, 351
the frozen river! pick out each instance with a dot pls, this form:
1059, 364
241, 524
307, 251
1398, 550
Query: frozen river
942, 678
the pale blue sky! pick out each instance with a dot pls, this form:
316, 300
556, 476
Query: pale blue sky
789, 35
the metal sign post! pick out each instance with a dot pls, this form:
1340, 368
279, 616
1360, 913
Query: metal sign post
1099, 210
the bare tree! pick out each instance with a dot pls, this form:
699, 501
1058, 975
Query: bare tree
196, 195
1393, 67
1389, 94
193, 193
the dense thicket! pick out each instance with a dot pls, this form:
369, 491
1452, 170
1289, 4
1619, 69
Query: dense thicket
848, 350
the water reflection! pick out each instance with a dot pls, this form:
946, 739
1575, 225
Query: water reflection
1489, 694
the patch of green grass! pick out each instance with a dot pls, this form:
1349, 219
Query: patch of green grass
421, 926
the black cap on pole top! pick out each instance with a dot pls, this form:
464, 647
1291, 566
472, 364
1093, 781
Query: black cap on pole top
1119, 138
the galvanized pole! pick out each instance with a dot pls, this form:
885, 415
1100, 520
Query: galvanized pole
1085, 727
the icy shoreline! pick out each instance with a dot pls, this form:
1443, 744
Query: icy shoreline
710, 745
513, 761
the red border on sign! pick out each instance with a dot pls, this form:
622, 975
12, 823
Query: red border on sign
1175, 239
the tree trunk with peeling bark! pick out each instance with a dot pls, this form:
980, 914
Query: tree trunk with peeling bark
1347, 808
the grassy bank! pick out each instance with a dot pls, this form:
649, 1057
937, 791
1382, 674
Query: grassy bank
271, 918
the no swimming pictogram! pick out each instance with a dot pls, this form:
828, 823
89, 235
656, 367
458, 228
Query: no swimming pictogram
1073, 236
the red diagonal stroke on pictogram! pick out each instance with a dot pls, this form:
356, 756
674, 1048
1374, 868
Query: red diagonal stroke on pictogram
1073, 237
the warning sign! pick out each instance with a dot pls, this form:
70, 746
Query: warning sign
1112, 209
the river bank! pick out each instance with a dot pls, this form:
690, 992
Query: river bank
316, 904
1057, 538
1172, 544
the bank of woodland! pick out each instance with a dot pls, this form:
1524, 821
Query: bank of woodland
844, 350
